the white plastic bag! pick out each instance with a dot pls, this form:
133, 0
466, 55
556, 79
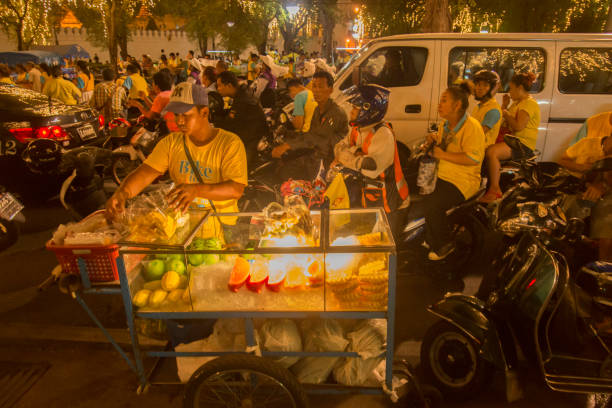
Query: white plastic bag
281, 335
368, 340
320, 335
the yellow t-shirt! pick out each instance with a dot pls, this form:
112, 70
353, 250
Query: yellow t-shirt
222, 159
479, 114
599, 125
468, 139
529, 135
589, 149
61, 89
139, 84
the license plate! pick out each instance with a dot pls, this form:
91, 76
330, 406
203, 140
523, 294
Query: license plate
86, 132
9, 206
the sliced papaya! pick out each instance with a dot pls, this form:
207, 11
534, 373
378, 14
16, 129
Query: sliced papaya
240, 273
315, 273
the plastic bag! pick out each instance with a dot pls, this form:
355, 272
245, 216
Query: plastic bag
92, 230
427, 175
281, 335
228, 335
368, 340
321, 335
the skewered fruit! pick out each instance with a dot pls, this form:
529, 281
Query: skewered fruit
276, 279
240, 274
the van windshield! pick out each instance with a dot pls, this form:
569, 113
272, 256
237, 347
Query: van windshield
348, 66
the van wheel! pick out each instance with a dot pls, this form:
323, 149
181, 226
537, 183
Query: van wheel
450, 361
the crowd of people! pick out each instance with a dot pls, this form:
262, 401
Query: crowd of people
208, 161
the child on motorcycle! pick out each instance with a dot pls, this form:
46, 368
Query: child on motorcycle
488, 111
370, 149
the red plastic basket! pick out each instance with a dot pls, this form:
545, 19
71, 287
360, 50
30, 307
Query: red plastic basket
100, 260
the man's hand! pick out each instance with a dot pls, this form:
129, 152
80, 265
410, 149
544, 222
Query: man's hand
116, 204
594, 192
182, 196
278, 151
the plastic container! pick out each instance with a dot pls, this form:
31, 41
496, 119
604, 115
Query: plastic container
100, 261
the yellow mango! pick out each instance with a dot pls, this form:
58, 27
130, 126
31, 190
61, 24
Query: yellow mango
157, 297
176, 295
153, 285
170, 281
141, 298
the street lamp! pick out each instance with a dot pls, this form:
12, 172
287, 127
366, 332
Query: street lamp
230, 24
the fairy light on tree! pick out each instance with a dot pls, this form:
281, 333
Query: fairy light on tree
26, 20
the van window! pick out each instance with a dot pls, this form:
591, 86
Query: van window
585, 71
394, 66
464, 62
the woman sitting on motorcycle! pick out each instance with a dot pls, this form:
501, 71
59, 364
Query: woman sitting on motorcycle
459, 147
521, 120
370, 148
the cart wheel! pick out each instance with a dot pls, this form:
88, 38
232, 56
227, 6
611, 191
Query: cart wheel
243, 381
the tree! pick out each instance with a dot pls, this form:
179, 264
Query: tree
107, 21
290, 24
608, 28
328, 15
26, 21
437, 17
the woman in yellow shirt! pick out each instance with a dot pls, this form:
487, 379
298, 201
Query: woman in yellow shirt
460, 145
84, 81
522, 120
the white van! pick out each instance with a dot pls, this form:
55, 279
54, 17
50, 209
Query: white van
574, 77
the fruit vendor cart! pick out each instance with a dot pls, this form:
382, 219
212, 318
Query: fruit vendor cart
284, 264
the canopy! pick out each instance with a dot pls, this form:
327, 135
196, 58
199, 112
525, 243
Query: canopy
65, 51
21, 57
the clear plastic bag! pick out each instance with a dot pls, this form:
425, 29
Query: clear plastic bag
368, 340
321, 335
93, 230
428, 175
281, 335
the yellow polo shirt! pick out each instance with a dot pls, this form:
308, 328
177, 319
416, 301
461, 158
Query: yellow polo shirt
529, 135
467, 137
137, 84
223, 159
587, 150
61, 89
479, 114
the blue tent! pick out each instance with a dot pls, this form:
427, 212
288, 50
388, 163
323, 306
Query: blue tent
21, 57
65, 51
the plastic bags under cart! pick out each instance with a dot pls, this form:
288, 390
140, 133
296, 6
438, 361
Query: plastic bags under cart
228, 335
281, 335
319, 335
369, 341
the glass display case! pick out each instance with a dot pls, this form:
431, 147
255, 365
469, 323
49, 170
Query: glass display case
336, 260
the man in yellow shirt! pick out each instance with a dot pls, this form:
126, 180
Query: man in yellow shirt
219, 172
59, 88
303, 104
579, 158
599, 125
135, 84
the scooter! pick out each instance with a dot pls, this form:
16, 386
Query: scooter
531, 313
10, 218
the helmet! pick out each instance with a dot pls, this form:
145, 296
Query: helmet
42, 155
491, 78
372, 101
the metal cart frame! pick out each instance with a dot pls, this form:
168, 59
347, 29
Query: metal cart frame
145, 378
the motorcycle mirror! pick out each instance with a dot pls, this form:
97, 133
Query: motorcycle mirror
575, 227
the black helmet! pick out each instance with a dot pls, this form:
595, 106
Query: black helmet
42, 155
491, 78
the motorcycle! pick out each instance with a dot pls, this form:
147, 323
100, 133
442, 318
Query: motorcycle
10, 218
532, 311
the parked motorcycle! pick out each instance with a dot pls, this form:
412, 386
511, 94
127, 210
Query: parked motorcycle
10, 218
536, 310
